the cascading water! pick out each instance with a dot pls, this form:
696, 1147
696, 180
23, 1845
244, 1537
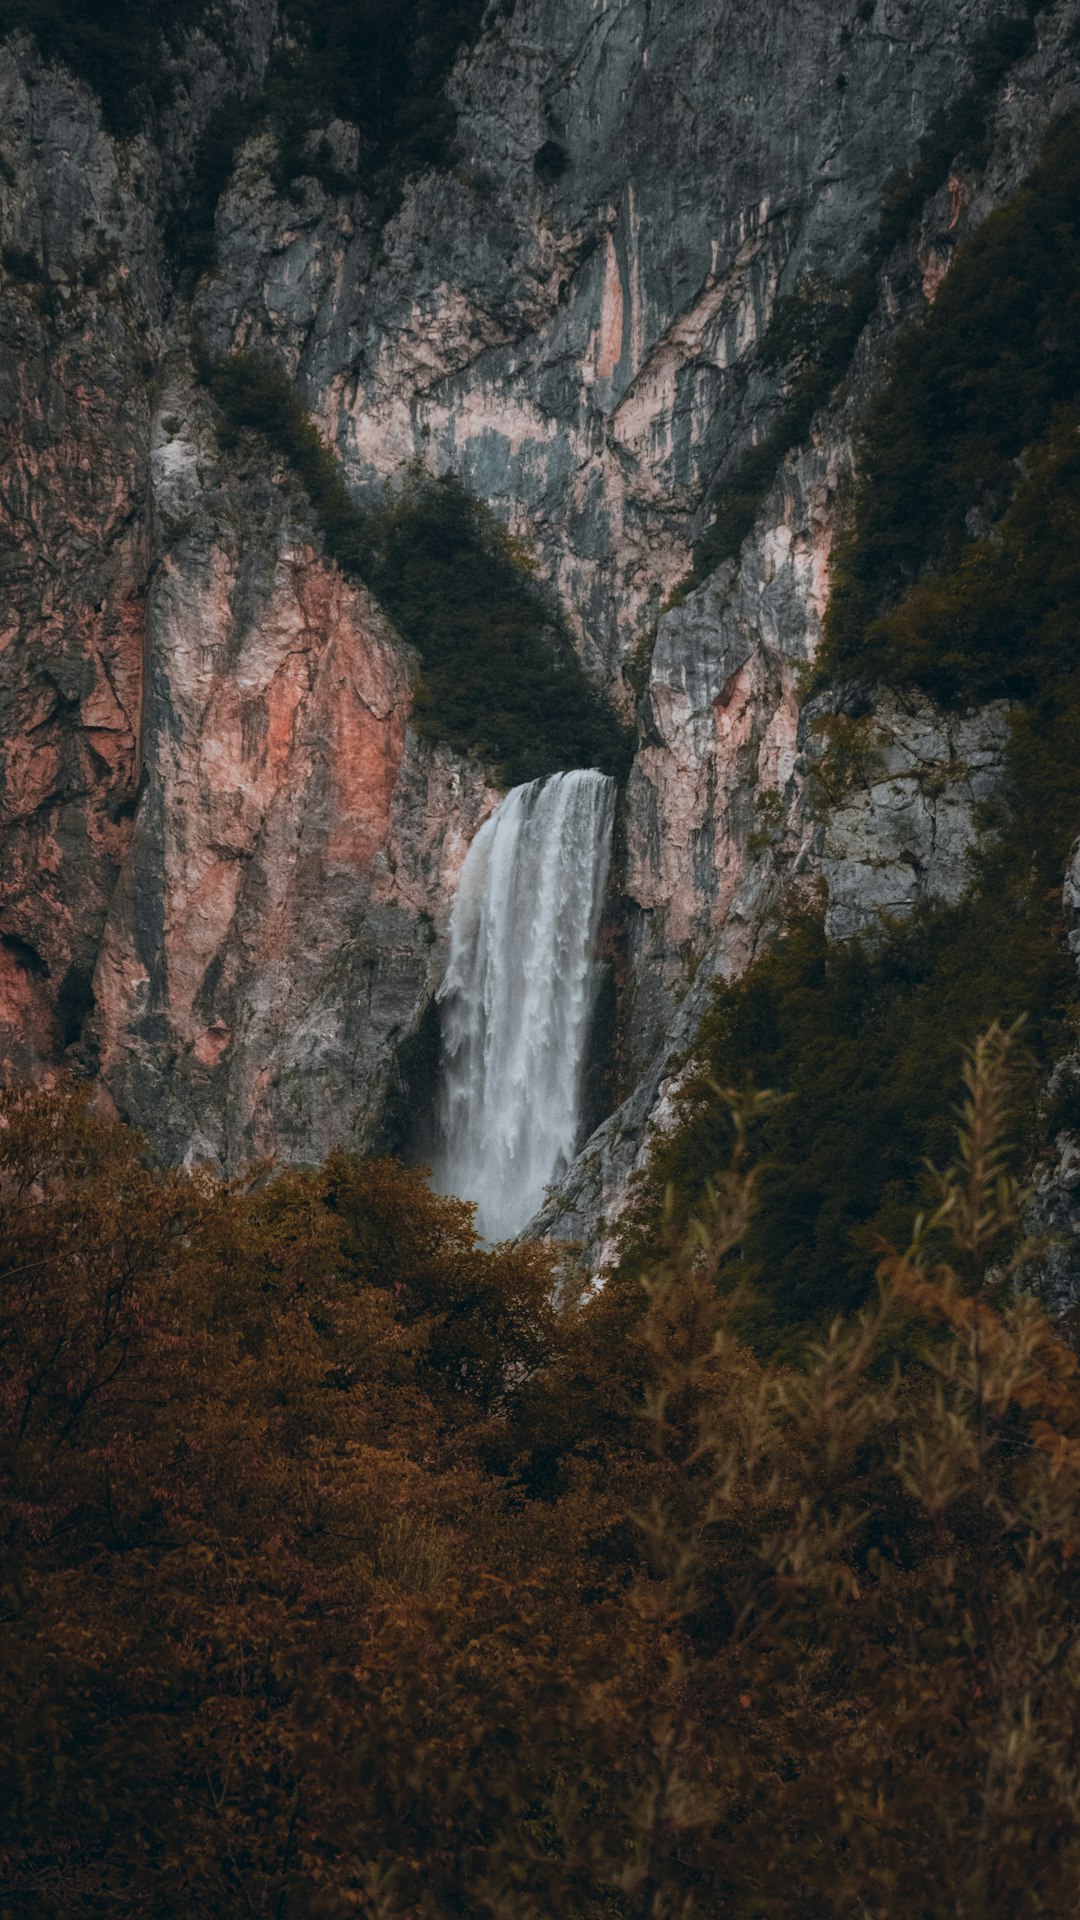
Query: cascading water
518, 994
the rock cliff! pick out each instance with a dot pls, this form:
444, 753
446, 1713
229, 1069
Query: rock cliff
227, 856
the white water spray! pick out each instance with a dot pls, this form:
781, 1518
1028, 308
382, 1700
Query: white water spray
518, 994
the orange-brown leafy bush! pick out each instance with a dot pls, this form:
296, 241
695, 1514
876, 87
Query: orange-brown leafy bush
344, 1576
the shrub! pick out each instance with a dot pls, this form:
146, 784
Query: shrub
383, 68
500, 677
115, 46
189, 229
19, 263
551, 160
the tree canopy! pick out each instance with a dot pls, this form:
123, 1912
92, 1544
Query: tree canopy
343, 1575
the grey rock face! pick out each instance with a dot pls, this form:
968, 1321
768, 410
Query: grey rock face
905, 831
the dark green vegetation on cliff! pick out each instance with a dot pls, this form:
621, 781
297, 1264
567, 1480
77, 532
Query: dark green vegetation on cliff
978, 415
342, 1575
863, 1037
500, 678
380, 67
813, 331
118, 47
981, 409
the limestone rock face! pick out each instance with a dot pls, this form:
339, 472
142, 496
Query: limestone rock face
75, 401
227, 861
904, 831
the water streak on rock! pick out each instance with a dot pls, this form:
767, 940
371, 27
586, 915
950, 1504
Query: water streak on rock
518, 994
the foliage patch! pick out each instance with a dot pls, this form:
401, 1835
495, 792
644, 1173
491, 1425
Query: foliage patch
343, 1575
116, 46
381, 67
500, 678
977, 406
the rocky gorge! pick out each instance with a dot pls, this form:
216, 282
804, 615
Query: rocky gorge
229, 856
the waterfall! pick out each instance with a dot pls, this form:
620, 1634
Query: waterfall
518, 994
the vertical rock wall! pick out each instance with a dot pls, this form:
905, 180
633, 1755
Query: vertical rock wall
226, 861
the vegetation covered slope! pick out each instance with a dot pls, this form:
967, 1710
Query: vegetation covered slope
381, 67
813, 331
342, 1576
980, 416
980, 412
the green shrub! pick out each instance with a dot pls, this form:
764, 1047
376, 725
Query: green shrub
500, 677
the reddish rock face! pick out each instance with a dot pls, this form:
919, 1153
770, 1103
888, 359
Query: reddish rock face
224, 857
73, 550
272, 942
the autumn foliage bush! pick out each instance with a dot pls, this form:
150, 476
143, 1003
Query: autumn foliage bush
342, 1575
